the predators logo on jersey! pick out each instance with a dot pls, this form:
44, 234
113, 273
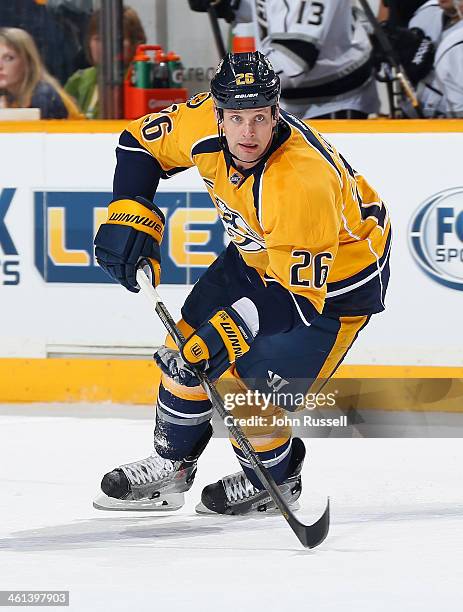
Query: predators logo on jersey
245, 238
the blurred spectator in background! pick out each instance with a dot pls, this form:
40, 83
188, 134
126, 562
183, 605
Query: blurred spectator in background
83, 85
320, 50
441, 93
57, 28
24, 81
73, 17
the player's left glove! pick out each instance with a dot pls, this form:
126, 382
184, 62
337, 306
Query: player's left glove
218, 342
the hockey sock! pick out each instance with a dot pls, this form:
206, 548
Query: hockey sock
180, 423
277, 461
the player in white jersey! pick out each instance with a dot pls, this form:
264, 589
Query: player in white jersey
441, 94
319, 49
428, 18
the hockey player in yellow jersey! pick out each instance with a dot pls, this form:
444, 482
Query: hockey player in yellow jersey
306, 267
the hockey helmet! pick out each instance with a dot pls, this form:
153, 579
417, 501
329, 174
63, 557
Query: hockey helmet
245, 80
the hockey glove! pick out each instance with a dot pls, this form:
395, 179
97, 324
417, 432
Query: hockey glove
417, 55
224, 8
218, 342
133, 232
414, 50
172, 365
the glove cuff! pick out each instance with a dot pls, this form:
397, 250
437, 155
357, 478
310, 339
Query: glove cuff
152, 206
138, 215
233, 330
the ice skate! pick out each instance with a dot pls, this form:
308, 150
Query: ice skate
153, 483
235, 494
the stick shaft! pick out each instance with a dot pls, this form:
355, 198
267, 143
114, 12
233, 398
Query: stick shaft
216, 31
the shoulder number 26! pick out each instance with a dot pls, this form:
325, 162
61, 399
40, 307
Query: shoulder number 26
319, 272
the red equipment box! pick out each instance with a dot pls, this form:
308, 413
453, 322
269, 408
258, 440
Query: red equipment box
139, 102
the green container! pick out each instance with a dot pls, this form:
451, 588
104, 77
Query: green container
175, 74
142, 74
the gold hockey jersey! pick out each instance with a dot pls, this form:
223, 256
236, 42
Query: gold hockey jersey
302, 217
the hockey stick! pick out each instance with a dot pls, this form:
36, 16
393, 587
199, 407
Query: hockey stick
383, 40
216, 30
309, 535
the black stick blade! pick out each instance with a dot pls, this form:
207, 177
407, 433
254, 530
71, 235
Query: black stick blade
313, 535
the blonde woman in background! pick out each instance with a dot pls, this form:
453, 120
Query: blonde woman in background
25, 82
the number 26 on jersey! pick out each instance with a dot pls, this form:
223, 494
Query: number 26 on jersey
315, 267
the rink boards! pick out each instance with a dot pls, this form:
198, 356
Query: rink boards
55, 181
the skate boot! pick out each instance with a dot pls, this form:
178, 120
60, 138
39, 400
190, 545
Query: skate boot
235, 494
153, 483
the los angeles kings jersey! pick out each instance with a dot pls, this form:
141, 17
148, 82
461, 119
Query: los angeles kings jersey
302, 218
320, 51
441, 93
429, 18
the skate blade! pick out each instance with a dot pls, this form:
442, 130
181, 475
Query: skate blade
167, 503
201, 509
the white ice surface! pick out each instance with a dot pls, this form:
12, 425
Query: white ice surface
396, 540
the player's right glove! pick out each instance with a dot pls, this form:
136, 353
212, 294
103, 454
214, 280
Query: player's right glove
224, 8
132, 233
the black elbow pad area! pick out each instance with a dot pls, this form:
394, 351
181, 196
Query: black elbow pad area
137, 172
304, 50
